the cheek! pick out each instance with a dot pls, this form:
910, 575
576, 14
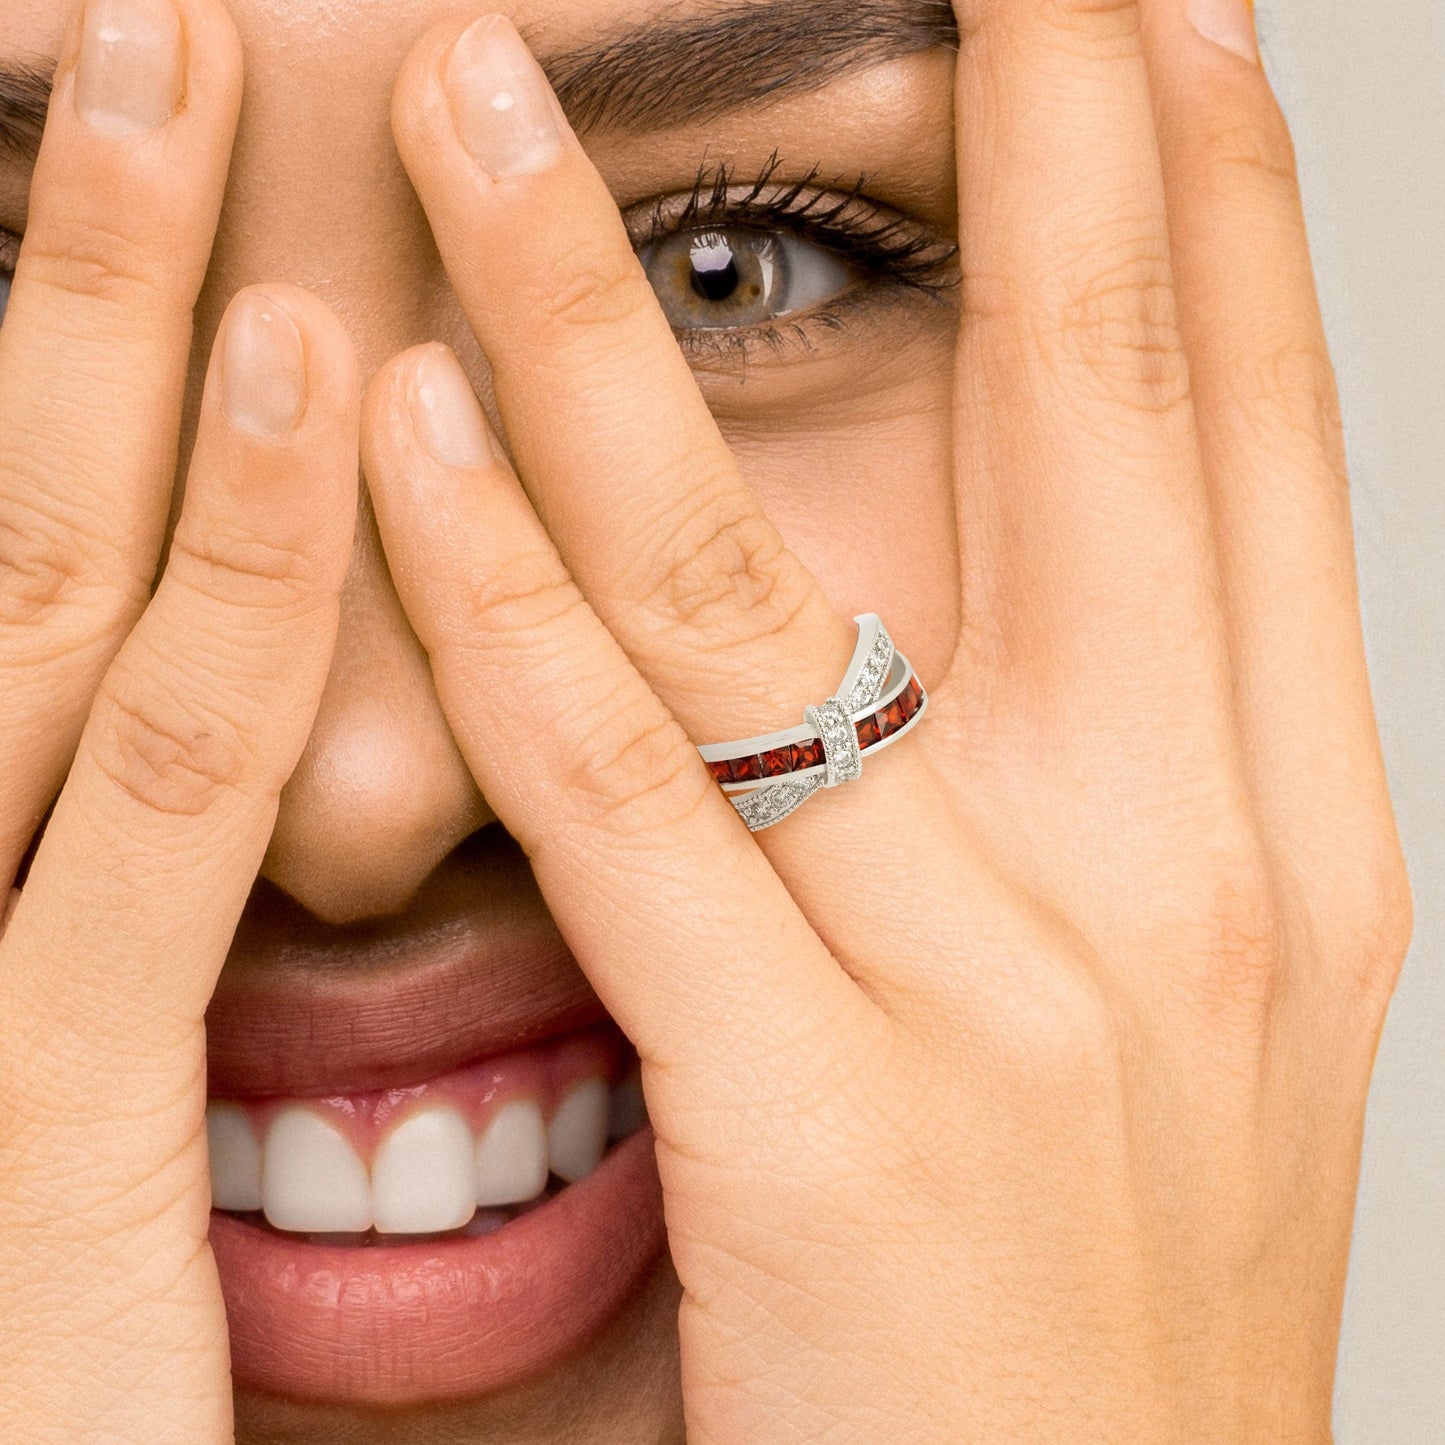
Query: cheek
867, 502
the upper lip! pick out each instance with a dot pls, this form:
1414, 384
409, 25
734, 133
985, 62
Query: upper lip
474, 966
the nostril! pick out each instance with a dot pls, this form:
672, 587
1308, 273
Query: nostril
344, 868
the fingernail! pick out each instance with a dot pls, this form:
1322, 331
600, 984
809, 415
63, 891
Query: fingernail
445, 412
1229, 23
501, 103
263, 368
128, 79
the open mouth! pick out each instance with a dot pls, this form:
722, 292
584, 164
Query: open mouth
432, 1173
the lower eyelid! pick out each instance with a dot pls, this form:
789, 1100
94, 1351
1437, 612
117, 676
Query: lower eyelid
798, 336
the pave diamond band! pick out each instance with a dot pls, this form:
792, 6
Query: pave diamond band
879, 700
867, 687
765, 806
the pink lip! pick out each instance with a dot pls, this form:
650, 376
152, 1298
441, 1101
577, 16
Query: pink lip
474, 968
407, 1323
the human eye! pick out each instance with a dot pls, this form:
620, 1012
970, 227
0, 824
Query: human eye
770, 264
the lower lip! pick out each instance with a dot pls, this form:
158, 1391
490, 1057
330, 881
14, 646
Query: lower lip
409, 1323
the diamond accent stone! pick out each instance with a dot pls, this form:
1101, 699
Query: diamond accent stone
841, 754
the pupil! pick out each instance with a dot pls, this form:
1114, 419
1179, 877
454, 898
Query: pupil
715, 274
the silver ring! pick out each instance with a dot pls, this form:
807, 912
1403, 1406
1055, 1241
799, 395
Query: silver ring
879, 700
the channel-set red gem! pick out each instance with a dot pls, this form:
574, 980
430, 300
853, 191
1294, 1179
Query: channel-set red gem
795, 757
807, 755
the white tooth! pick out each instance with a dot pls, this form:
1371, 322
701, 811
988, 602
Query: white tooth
235, 1158
628, 1112
512, 1155
424, 1177
312, 1180
578, 1132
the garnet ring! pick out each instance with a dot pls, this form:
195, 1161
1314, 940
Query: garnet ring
879, 700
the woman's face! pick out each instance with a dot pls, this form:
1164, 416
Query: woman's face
822, 339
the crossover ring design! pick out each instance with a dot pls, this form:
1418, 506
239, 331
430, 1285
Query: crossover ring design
879, 700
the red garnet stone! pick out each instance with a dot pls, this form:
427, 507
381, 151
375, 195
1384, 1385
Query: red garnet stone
808, 754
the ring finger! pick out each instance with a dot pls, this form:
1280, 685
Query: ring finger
619, 453
578, 755
695, 944
613, 440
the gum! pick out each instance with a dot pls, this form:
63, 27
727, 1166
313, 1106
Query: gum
477, 1091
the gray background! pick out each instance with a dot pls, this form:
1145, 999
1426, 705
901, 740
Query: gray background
1364, 84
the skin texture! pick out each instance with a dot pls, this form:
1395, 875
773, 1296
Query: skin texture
1099, 1108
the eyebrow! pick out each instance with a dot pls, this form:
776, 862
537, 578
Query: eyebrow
24, 99
653, 74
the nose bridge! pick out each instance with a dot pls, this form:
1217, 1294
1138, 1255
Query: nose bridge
317, 197
316, 193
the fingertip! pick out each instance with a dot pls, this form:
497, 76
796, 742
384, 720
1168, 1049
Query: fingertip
446, 418
277, 451
389, 382
329, 345
264, 381
385, 421
427, 444
212, 63
326, 368
418, 101
215, 56
423, 400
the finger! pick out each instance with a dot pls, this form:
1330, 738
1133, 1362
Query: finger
684, 929
137, 886
628, 470
1095, 644
613, 439
93, 358
705, 961
155, 842
641, 496
1085, 521
1270, 435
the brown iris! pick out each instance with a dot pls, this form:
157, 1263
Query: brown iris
719, 278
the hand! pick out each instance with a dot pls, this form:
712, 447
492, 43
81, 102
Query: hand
1015, 1091
178, 726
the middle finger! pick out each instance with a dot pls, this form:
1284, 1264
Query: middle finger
1090, 575
93, 357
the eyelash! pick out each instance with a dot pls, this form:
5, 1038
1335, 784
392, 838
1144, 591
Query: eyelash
888, 248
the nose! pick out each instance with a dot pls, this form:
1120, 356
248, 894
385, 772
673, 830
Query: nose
381, 794
317, 196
